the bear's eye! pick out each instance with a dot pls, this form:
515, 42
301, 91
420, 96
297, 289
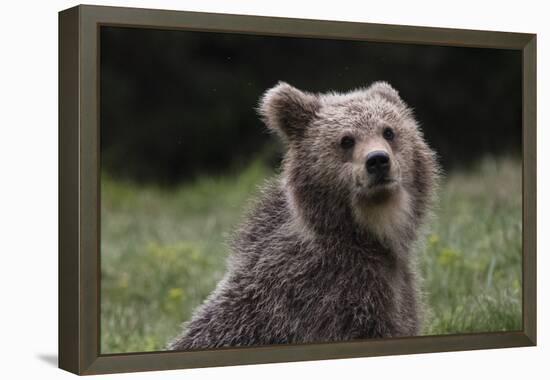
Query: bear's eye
347, 142
388, 134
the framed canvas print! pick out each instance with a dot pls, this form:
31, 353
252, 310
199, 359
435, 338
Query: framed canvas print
242, 189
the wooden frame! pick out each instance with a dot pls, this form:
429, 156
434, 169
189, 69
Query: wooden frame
79, 258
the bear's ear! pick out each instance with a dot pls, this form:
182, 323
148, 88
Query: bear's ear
386, 91
287, 110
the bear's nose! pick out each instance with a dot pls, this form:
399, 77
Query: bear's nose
378, 163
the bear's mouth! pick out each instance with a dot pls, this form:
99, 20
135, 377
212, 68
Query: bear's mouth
377, 183
382, 182
378, 190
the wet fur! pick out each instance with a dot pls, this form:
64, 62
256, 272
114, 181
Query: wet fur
315, 262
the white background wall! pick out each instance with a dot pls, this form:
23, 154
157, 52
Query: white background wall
28, 186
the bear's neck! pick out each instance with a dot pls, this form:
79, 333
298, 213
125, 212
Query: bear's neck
323, 214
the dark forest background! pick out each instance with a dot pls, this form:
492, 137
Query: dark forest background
175, 104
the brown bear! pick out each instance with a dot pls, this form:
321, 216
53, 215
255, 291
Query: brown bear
327, 252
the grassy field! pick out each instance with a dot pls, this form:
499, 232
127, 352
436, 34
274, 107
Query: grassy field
163, 251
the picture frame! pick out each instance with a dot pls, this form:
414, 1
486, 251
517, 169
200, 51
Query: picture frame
79, 188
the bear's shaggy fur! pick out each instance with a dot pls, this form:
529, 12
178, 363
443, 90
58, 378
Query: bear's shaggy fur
326, 254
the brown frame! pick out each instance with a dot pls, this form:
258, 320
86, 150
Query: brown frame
79, 256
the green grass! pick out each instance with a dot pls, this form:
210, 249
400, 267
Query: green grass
163, 251
471, 263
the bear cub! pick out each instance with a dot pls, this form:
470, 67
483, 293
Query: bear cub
326, 254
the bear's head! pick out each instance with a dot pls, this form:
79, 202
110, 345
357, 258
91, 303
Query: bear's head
355, 162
